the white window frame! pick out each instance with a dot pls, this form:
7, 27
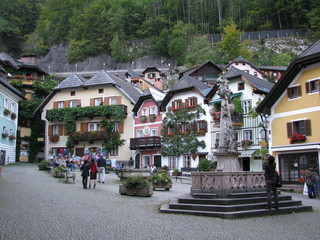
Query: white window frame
97, 101
153, 110
153, 132
92, 126
60, 104
113, 100
73, 103
139, 133
144, 112
146, 160
55, 129
114, 152
248, 134
246, 106
317, 89
116, 127
172, 162
187, 161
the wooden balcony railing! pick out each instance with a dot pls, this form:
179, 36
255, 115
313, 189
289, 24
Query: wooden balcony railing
145, 143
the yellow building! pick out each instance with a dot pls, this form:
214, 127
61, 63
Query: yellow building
293, 106
99, 92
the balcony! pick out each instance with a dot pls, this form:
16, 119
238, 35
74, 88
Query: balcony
237, 119
145, 143
88, 136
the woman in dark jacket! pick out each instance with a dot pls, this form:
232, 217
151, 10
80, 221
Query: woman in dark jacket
85, 168
271, 176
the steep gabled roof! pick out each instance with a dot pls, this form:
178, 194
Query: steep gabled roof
72, 81
132, 74
149, 93
257, 83
12, 89
186, 84
197, 67
241, 59
308, 57
150, 68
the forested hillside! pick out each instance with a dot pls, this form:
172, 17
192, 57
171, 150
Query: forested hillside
171, 28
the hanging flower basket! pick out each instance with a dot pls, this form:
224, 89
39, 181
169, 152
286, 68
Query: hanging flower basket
13, 115
152, 117
4, 135
143, 119
54, 138
194, 156
12, 137
6, 111
296, 138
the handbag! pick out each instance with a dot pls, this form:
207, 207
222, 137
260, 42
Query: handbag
278, 181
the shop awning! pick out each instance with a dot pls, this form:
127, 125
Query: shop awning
247, 153
232, 96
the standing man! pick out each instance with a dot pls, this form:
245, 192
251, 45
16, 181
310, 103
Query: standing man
271, 176
102, 163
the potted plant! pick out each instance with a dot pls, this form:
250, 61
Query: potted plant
6, 111
143, 118
44, 164
12, 137
4, 135
59, 172
176, 172
136, 186
152, 117
13, 115
246, 143
160, 181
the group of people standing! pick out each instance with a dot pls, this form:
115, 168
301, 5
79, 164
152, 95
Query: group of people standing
312, 182
92, 168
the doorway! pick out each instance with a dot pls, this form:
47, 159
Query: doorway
246, 164
137, 161
157, 161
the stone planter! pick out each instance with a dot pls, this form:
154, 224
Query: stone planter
166, 186
144, 192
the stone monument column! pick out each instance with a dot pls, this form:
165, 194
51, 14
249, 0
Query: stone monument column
227, 153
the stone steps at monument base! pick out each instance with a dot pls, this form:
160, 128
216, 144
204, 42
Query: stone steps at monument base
238, 214
233, 195
231, 201
229, 208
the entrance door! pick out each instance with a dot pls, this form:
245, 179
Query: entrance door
246, 164
157, 161
293, 167
2, 157
137, 161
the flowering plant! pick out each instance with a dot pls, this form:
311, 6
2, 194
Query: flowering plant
216, 115
169, 134
6, 111
296, 137
246, 143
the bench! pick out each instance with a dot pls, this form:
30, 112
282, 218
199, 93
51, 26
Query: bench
184, 176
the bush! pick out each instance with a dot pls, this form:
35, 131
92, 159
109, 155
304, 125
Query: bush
206, 165
136, 182
44, 164
159, 179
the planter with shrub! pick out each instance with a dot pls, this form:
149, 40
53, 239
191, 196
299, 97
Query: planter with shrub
160, 181
136, 186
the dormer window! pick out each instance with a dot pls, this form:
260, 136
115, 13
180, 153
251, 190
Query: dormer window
294, 92
100, 90
151, 75
240, 86
191, 102
176, 104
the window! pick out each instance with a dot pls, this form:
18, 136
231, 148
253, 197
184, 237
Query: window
114, 152
146, 161
255, 74
72, 93
169, 130
202, 126
247, 135
73, 103
97, 101
153, 132
144, 112
191, 102
240, 86
275, 74
13, 107
246, 106
113, 101
313, 86
56, 129
176, 104
302, 127
100, 90
60, 104
153, 110
151, 75
11, 132
139, 133
172, 162
116, 127
187, 161
6, 103
185, 127
294, 92
93, 127
4, 129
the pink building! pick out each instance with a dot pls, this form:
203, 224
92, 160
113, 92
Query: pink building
147, 130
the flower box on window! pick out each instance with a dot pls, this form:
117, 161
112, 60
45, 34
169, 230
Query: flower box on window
246, 143
12, 137
13, 115
143, 119
4, 135
6, 111
152, 117
200, 133
296, 137
54, 138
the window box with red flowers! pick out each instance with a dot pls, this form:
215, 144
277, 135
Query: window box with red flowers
191, 107
200, 133
246, 143
12, 137
54, 138
13, 115
4, 135
183, 134
216, 116
297, 138
175, 109
6, 111
169, 134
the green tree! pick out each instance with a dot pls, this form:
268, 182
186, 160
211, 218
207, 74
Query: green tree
231, 45
179, 143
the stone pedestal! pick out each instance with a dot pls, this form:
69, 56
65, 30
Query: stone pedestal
228, 162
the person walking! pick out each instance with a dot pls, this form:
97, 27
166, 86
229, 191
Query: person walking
85, 168
271, 176
102, 163
311, 180
93, 173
